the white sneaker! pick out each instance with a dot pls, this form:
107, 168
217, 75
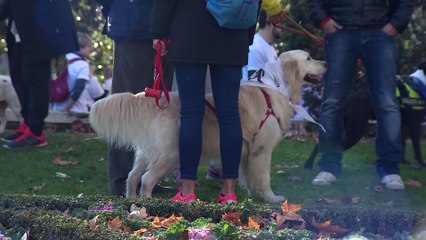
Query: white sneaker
324, 179
393, 182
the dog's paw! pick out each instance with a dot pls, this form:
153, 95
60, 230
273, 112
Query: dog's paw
275, 199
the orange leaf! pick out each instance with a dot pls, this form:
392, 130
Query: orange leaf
252, 223
233, 217
326, 229
115, 223
290, 207
59, 161
127, 229
142, 230
290, 220
156, 223
172, 219
93, 223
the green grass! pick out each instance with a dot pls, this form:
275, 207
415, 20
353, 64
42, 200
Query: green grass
22, 170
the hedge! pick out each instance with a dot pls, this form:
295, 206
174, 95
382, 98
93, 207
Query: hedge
44, 216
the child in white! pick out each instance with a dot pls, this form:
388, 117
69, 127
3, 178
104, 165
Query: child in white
78, 79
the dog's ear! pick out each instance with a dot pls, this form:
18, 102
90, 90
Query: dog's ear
292, 78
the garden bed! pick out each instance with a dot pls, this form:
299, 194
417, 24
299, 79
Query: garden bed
59, 217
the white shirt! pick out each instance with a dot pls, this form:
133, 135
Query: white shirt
107, 85
76, 70
94, 89
260, 52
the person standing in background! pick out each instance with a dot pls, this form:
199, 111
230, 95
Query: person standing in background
133, 69
38, 31
363, 30
262, 50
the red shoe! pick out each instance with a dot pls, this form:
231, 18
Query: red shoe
27, 140
229, 198
179, 198
16, 133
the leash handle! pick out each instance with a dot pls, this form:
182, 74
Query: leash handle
159, 87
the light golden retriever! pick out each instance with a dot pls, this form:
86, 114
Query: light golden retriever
135, 121
8, 98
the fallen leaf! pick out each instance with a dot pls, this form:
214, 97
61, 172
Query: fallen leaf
69, 150
329, 201
253, 223
58, 161
286, 207
172, 219
62, 175
290, 220
93, 222
413, 183
156, 223
137, 213
282, 166
233, 217
50, 127
66, 213
127, 229
326, 229
115, 223
142, 230
36, 188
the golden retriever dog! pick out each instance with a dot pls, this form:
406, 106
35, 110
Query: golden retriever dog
136, 122
8, 98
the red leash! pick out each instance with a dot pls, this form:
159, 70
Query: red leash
159, 86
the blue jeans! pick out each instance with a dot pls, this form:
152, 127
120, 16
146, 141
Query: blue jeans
342, 49
225, 80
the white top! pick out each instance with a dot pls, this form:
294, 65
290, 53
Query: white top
107, 85
94, 89
76, 70
260, 52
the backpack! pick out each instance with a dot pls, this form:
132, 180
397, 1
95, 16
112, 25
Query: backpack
58, 87
234, 14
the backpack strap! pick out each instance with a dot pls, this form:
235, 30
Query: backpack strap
72, 60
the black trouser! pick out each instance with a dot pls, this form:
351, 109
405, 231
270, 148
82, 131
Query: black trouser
31, 82
133, 72
411, 126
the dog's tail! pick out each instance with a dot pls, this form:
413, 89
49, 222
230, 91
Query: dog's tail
122, 117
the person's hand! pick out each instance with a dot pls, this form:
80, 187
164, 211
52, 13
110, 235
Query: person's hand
277, 18
390, 30
163, 46
331, 26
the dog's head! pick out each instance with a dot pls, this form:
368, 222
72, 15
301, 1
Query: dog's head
298, 68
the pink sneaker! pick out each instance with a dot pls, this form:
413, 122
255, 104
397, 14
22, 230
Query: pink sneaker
229, 198
179, 198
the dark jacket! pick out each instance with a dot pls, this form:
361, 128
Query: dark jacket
196, 36
46, 27
358, 13
127, 19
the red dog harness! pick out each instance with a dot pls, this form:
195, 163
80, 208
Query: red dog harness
269, 110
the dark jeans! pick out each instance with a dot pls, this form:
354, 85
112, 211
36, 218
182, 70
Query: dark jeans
225, 87
342, 49
31, 82
133, 72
